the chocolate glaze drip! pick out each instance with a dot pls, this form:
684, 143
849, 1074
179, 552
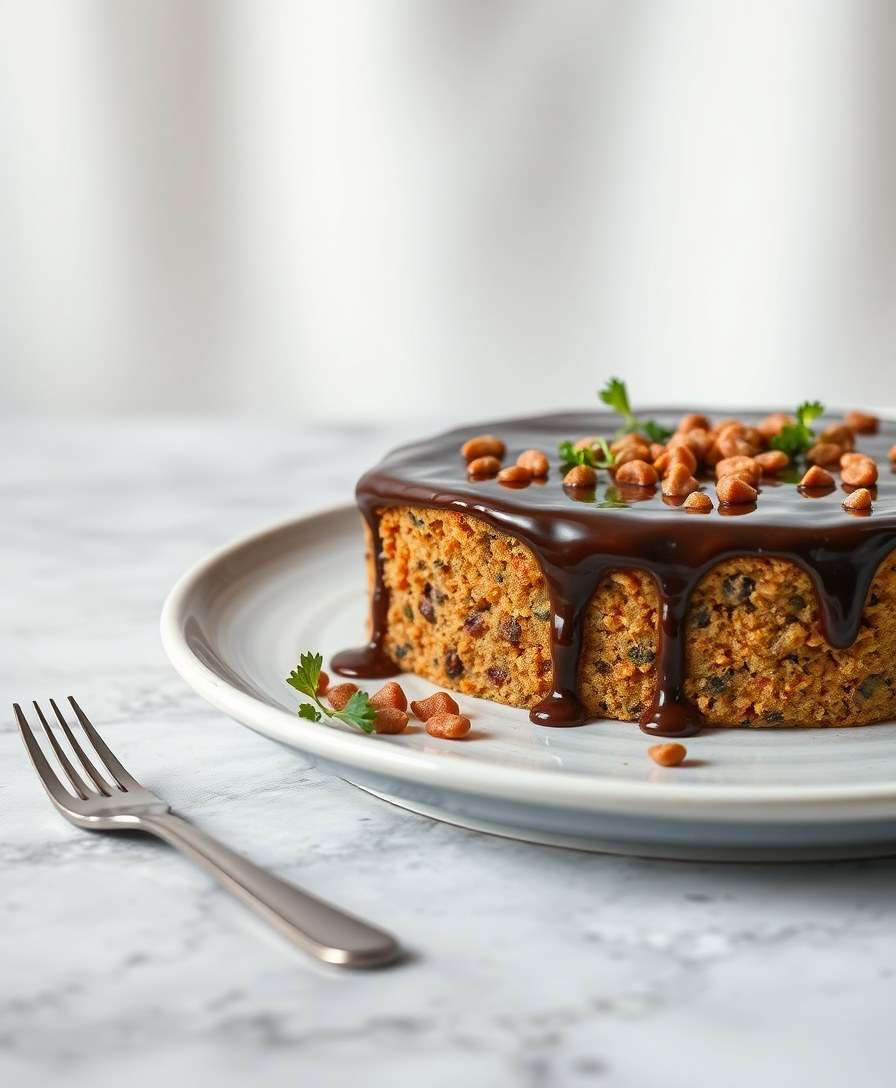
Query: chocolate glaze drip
578, 539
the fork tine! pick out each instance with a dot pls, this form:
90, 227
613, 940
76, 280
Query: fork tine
101, 784
114, 766
81, 787
45, 772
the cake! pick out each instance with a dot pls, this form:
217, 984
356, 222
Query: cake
707, 578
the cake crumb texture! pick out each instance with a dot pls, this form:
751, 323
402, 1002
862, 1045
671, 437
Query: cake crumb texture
469, 610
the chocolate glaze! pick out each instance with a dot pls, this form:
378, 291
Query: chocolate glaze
578, 538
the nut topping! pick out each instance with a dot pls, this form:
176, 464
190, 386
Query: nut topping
698, 502
739, 454
824, 453
667, 755
774, 424
860, 500
861, 472
732, 442
514, 474
637, 472
862, 422
484, 445
633, 452
772, 461
390, 720
747, 467
390, 695
679, 482
535, 461
580, 476
735, 491
339, 695
729, 421
698, 442
673, 455
448, 726
817, 479
630, 439
840, 435
439, 703
693, 421
483, 468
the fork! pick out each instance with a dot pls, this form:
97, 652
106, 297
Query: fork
329, 934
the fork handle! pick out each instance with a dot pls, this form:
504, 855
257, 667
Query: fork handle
331, 935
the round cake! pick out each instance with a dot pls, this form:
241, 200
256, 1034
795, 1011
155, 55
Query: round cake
707, 578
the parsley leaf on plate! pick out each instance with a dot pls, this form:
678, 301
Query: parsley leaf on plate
358, 712
655, 431
305, 678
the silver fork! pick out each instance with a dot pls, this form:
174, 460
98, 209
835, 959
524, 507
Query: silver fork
329, 934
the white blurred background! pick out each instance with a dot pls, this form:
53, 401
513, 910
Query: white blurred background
403, 208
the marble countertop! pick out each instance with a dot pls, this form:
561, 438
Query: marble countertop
532, 966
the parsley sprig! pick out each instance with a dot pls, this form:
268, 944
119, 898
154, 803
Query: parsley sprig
796, 438
615, 395
597, 455
304, 678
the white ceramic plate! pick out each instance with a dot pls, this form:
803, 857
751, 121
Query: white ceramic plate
233, 628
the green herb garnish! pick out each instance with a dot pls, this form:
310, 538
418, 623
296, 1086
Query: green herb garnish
656, 432
304, 678
796, 438
615, 395
586, 455
612, 499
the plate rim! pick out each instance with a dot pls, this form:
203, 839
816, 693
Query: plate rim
571, 789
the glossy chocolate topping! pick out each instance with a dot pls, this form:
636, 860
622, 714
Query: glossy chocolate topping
578, 536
